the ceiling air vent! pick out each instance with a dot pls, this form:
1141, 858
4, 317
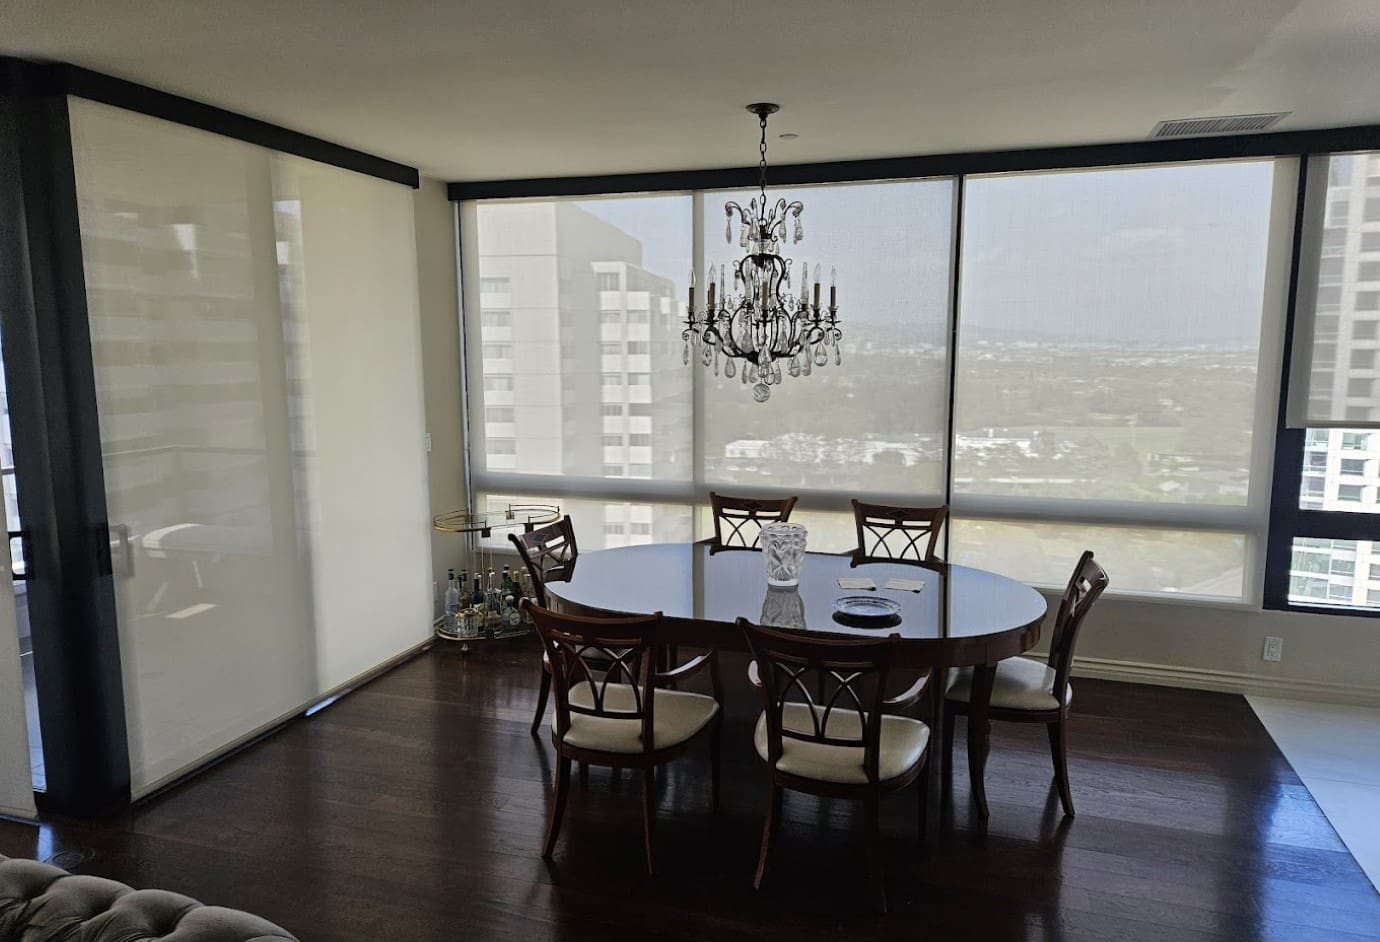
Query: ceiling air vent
1222, 124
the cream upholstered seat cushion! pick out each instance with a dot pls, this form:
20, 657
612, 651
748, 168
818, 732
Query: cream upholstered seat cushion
1020, 684
677, 716
902, 745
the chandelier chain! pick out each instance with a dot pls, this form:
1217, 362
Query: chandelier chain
762, 164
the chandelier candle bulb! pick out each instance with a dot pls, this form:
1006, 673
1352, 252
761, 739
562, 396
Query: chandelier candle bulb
710, 303
833, 289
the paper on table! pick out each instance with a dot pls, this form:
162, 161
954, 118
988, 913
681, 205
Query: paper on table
907, 585
852, 583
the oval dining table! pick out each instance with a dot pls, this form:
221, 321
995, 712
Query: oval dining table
958, 617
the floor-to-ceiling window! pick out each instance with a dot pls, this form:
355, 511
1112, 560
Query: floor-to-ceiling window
1114, 383
1333, 558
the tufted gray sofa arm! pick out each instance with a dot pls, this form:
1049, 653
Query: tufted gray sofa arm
39, 903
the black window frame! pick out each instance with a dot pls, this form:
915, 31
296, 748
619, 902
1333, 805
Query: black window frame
1288, 520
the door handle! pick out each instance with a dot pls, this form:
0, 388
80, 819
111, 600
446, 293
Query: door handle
25, 553
122, 563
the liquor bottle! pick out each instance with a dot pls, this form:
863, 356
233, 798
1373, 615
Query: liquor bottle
507, 581
477, 597
493, 602
512, 618
524, 592
452, 601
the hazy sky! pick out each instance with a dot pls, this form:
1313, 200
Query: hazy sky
1138, 255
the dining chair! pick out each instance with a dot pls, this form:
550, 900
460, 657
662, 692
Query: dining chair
844, 740
897, 534
1027, 691
549, 553
610, 711
733, 514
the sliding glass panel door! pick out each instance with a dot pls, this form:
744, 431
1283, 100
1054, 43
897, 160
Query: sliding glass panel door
21, 749
182, 280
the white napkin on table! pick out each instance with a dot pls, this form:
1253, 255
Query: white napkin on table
856, 583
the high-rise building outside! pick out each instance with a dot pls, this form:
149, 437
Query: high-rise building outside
1341, 467
560, 289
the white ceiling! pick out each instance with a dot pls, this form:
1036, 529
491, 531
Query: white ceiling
482, 89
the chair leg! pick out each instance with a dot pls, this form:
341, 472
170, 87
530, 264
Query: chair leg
715, 735
1058, 752
979, 735
876, 883
543, 692
584, 775
769, 823
950, 719
649, 815
924, 789
559, 792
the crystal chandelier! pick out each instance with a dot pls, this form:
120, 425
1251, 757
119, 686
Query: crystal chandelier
763, 323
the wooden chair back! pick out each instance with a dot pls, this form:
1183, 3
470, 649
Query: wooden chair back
597, 652
733, 514
827, 675
549, 553
897, 534
1085, 586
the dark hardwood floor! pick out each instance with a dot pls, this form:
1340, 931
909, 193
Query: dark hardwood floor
414, 808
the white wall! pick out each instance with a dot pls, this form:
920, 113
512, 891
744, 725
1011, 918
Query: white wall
437, 286
1326, 657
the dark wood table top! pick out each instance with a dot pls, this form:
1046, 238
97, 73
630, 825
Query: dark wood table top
962, 616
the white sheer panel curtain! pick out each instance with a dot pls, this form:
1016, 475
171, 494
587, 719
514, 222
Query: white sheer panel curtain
353, 342
212, 583
1335, 373
1116, 385
256, 343
874, 427
576, 390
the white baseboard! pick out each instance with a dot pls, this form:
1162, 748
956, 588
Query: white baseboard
1197, 678
27, 815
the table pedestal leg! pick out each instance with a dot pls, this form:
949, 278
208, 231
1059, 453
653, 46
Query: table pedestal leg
979, 731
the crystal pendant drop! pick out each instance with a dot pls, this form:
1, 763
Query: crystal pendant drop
707, 356
685, 357
743, 375
805, 366
821, 357
838, 356
752, 373
794, 368
761, 392
729, 368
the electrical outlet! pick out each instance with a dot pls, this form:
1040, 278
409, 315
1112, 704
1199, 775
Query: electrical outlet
1274, 649
428, 443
